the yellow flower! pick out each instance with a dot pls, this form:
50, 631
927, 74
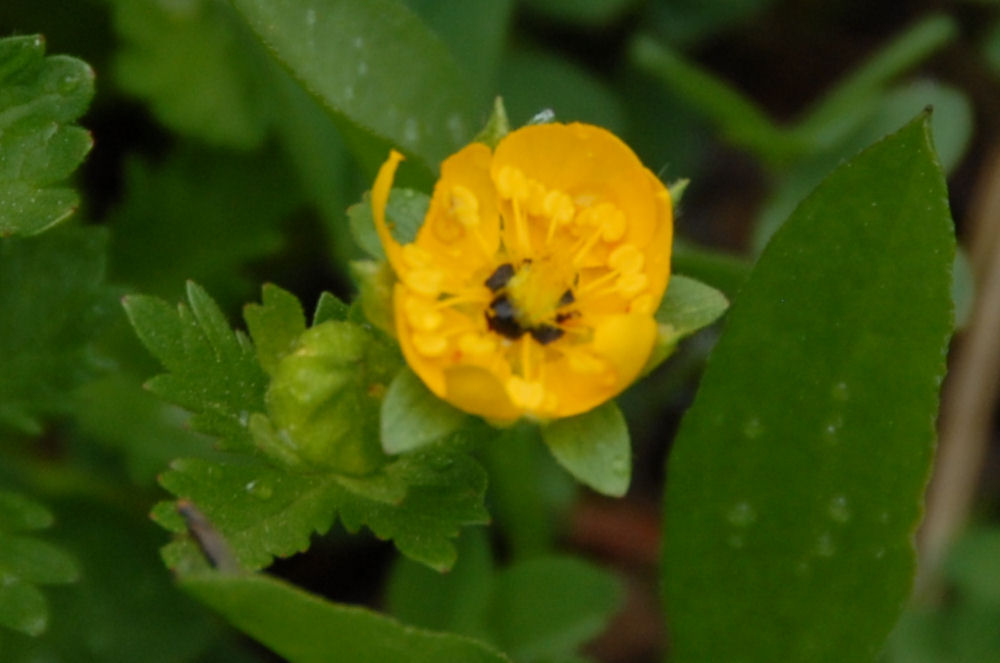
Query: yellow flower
530, 288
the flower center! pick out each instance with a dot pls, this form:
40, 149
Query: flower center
531, 298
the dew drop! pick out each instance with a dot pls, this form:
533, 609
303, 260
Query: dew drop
839, 509
742, 514
260, 489
362, 68
359, 42
349, 92
824, 545
840, 391
753, 428
735, 541
620, 466
879, 553
311, 18
411, 130
831, 429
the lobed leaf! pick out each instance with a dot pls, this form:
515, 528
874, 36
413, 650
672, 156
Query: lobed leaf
40, 97
795, 484
420, 502
212, 372
275, 325
25, 562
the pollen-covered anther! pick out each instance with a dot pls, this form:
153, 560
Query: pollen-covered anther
585, 363
422, 314
630, 285
558, 207
464, 206
430, 345
525, 394
424, 281
626, 259
476, 345
642, 304
512, 184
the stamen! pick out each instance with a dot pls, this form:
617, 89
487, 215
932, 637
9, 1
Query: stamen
500, 276
422, 314
430, 345
476, 345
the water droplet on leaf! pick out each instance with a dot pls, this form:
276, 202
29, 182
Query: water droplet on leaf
753, 428
839, 509
260, 489
742, 514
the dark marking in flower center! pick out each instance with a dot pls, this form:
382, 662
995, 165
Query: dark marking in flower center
504, 318
500, 276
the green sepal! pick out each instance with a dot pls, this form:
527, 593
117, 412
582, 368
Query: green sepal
275, 325
320, 401
687, 306
497, 126
375, 282
677, 189
594, 447
330, 307
413, 416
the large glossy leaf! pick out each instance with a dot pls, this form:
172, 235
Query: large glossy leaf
373, 64
304, 628
796, 482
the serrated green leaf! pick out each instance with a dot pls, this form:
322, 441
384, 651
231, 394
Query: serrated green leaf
263, 512
445, 492
201, 215
412, 416
195, 66
212, 372
36, 561
25, 562
19, 513
304, 628
39, 99
122, 576
796, 480
22, 607
329, 308
687, 306
375, 66
275, 325
53, 304
405, 213
544, 608
594, 447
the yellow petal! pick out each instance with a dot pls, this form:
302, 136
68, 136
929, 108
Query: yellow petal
478, 391
380, 198
626, 341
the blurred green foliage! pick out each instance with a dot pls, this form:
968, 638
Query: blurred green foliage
230, 139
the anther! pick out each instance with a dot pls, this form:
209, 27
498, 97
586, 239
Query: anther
500, 276
545, 334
